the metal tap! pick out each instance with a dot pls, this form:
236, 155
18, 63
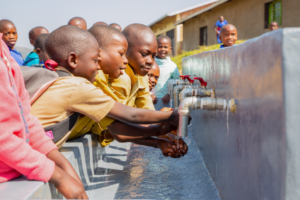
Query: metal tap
207, 103
181, 94
173, 82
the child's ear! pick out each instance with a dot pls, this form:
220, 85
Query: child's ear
171, 48
220, 37
31, 42
72, 60
38, 51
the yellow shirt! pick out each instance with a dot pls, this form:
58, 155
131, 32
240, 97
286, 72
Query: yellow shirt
135, 88
68, 95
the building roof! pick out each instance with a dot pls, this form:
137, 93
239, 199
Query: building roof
183, 10
201, 11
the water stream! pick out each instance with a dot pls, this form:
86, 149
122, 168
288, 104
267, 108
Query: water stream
171, 103
227, 121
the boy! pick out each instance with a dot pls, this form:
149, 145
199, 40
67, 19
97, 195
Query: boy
228, 35
153, 76
219, 24
168, 70
117, 26
79, 22
273, 26
10, 37
24, 147
78, 61
112, 60
32, 58
39, 48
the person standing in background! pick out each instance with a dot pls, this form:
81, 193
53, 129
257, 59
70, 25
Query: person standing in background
219, 24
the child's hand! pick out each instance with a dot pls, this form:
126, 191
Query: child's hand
67, 186
167, 149
183, 148
154, 99
166, 109
166, 99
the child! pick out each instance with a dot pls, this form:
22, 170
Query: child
228, 35
79, 22
219, 24
273, 26
113, 47
153, 76
10, 37
117, 26
168, 70
24, 147
76, 93
32, 58
39, 49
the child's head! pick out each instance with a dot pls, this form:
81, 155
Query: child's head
75, 49
10, 34
142, 48
79, 22
117, 26
163, 46
100, 23
153, 76
39, 47
113, 47
273, 26
35, 32
221, 18
228, 35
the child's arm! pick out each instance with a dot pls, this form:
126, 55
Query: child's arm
120, 128
64, 164
142, 116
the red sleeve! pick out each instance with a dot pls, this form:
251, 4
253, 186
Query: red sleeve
14, 151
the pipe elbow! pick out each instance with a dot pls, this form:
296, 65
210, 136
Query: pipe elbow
186, 104
178, 89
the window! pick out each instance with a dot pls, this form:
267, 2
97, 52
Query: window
171, 35
273, 13
203, 36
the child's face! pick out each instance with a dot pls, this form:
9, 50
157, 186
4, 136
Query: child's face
153, 76
141, 56
113, 57
163, 49
229, 36
86, 65
10, 35
42, 55
273, 26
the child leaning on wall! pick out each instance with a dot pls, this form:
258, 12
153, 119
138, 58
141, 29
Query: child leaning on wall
228, 35
77, 53
168, 70
24, 147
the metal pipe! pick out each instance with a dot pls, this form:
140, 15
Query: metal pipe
176, 92
173, 82
206, 103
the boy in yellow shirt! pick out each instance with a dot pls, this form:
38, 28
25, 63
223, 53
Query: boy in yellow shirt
77, 52
112, 61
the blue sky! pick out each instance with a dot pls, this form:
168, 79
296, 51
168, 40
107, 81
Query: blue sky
54, 13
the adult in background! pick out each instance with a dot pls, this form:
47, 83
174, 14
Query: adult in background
219, 24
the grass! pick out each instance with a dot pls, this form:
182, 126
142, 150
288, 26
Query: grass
178, 59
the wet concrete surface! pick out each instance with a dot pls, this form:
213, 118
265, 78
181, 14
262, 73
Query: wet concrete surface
132, 171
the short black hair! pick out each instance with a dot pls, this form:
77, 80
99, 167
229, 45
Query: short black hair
104, 34
32, 32
39, 42
137, 33
164, 37
4, 22
67, 39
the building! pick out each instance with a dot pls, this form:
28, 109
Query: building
251, 17
165, 24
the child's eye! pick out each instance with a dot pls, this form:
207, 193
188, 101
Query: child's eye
95, 60
143, 54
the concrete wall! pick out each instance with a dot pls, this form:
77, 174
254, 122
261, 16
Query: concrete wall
255, 152
248, 16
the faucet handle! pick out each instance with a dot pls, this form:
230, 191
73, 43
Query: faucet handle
203, 83
184, 77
